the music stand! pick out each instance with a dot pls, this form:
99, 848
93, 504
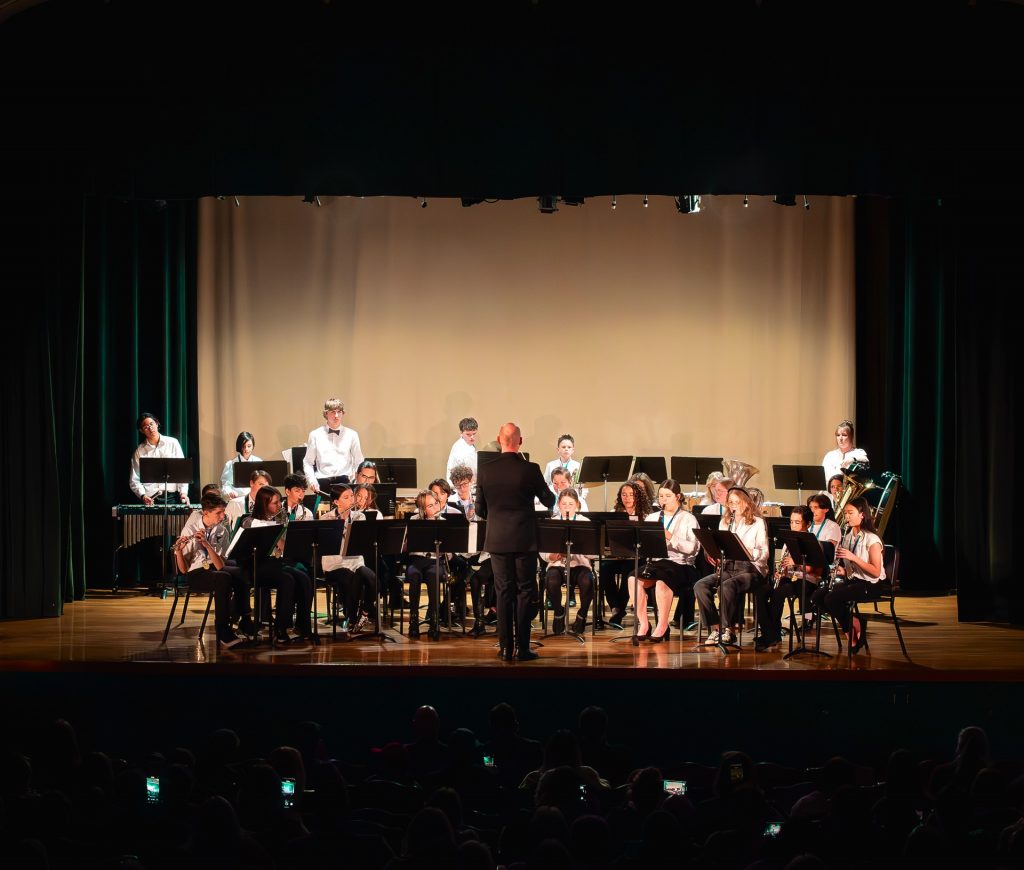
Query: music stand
387, 497
653, 466
719, 545
799, 477
483, 457
438, 535
297, 454
629, 539
372, 539
400, 472
709, 522
604, 468
166, 471
564, 536
256, 541
242, 471
304, 542
695, 468
807, 552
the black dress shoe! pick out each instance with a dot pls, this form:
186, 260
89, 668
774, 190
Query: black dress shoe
478, 629
527, 655
655, 639
247, 626
434, 633
505, 655
615, 620
281, 637
414, 632
558, 625
579, 626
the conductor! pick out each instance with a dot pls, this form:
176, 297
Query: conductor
505, 492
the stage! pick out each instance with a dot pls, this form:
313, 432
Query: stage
123, 631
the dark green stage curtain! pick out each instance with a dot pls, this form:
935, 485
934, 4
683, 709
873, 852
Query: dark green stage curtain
936, 284
42, 408
139, 273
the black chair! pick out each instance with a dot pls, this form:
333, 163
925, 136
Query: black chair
194, 581
886, 591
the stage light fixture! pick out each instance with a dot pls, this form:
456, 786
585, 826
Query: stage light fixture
466, 203
615, 202
547, 204
237, 203
784, 199
645, 200
746, 201
423, 201
311, 198
572, 200
807, 205
688, 204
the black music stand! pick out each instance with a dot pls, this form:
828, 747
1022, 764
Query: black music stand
370, 540
695, 468
242, 471
601, 469
439, 536
400, 472
799, 477
807, 552
256, 541
165, 471
564, 536
601, 517
709, 522
305, 542
387, 497
719, 545
653, 466
629, 539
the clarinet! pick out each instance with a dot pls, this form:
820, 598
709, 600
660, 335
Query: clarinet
834, 578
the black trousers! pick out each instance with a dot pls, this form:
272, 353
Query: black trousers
614, 573
579, 576
737, 578
294, 593
353, 586
837, 601
481, 587
515, 587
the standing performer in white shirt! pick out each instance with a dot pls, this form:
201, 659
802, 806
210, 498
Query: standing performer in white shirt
846, 452
566, 446
463, 451
332, 450
244, 445
154, 446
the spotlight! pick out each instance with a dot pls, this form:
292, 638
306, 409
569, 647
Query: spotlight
688, 204
746, 201
807, 205
784, 199
423, 201
645, 200
615, 202
547, 204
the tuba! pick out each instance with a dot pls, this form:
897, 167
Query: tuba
738, 471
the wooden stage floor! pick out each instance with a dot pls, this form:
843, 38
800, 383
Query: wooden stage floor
123, 631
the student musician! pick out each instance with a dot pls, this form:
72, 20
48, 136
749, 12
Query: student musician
481, 585
845, 452
632, 502
645, 481
294, 588
858, 569
561, 480
836, 484
461, 477
243, 505
421, 568
443, 491
294, 492
463, 451
367, 472
580, 571
155, 446
352, 581
708, 498
332, 450
566, 446
244, 445
822, 526
674, 575
200, 548
718, 492
366, 500
789, 579
743, 519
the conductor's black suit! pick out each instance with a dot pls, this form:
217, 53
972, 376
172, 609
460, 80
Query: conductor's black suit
505, 493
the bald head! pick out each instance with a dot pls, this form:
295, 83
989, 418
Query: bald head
510, 438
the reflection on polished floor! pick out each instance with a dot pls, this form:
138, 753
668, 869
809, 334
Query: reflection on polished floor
126, 629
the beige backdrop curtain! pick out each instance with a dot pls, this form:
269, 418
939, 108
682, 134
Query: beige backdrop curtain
638, 330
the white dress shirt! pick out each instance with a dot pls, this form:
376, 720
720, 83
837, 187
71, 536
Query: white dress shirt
227, 476
715, 508
834, 461
166, 448
331, 455
461, 454
860, 545
236, 509
755, 538
684, 546
572, 467
825, 531
555, 512
193, 553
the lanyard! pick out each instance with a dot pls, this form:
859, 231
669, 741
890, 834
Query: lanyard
817, 534
668, 525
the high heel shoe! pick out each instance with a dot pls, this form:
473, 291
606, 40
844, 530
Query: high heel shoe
647, 635
654, 639
862, 635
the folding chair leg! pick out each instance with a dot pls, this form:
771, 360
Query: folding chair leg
206, 616
170, 616
896, 625
184, 607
